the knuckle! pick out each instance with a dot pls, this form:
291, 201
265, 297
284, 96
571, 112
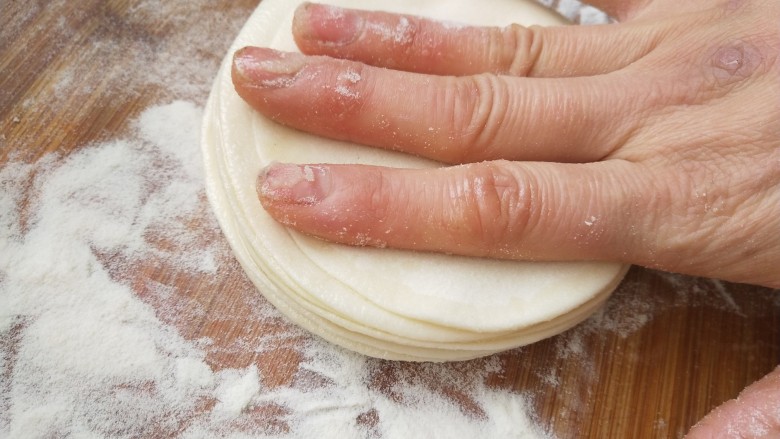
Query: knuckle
712, 75
480, 104
518, 48
733, 63
725, 67
499, 208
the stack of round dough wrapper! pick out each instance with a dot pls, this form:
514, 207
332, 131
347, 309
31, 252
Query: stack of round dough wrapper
384, 303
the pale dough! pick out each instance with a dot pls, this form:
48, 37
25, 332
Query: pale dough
383, 303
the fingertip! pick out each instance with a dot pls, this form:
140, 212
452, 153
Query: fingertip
281, 185
260, 66
332, 202
300, 24
325, 25
238, 67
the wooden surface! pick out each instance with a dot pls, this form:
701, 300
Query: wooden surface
665, 351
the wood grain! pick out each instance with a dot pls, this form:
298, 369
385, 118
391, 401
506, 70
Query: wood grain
664, 352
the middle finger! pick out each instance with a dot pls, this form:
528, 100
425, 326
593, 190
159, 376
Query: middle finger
448, 119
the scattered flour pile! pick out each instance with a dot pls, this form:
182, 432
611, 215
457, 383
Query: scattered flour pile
83, 354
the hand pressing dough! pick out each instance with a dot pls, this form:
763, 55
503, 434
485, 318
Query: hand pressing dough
383, 303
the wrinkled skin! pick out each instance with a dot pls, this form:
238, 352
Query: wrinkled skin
655, 141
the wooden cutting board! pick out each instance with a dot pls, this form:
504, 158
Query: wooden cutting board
664, 351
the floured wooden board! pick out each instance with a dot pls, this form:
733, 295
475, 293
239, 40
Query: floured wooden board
83, 78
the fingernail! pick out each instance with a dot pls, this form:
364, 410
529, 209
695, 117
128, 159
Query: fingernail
327, 24
267, 67
293, 184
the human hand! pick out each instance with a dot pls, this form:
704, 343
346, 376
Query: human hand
654, 142
754, 414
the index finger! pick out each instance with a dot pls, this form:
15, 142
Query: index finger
452, 120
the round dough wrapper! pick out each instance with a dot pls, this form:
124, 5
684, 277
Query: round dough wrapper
384, 303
